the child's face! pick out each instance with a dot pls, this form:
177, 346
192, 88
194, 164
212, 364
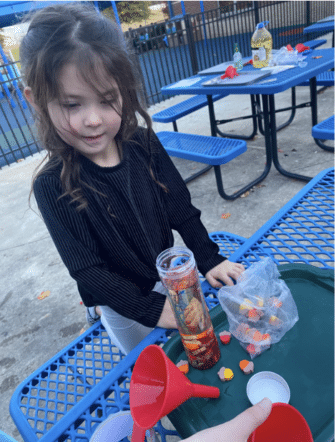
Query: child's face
82, 119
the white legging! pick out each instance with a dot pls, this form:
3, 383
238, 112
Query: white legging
126, 333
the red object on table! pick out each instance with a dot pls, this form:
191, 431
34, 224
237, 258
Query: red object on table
225, 337
157, 388
285, 423
300, 47
230, 72
248, 62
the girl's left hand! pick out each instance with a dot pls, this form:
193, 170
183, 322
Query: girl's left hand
224, 272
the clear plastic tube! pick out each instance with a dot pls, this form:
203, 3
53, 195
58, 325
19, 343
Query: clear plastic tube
178, 272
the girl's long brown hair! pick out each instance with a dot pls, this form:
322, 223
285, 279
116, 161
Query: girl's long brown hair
77, 33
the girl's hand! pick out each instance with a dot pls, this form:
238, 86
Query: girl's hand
167, 318
193, 314
224, 272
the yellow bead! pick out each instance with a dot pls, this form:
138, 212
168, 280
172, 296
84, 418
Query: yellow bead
228, 374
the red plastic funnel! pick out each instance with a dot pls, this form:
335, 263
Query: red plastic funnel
285, 423
157, 388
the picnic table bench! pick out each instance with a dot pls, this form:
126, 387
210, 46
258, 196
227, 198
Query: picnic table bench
186, 107
326, 79
213, 151
325, 130
321, 27
71, 394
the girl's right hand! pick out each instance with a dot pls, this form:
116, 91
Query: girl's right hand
193, 314
167, 318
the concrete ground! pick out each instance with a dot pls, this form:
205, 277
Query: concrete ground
32, 330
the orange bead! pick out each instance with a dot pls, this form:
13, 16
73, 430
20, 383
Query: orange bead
183, 366
243, 364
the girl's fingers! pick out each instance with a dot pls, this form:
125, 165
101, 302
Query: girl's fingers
213, 282
239, 268
234, 274
227, 280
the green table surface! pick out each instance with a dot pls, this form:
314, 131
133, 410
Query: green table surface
304, 358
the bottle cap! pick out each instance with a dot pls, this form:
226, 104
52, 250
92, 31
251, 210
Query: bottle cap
267, 384
262, 24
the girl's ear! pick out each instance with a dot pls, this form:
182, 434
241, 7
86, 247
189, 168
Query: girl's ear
28, 93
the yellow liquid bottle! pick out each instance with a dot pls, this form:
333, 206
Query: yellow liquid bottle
261, 44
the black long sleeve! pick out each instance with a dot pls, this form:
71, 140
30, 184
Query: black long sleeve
110, 248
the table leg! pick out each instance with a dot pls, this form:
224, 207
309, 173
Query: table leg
273, 140
217, 169
291, 117
313, 99
197, 174
255, 116
212, 117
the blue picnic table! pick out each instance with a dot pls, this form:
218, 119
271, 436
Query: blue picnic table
318, 61
71, 394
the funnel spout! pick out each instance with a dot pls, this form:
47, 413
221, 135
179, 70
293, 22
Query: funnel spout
205, 391
138, 434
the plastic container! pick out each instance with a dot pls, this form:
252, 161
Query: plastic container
305, 359
237, 58
178, 272
261, 44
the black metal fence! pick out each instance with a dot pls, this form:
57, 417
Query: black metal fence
167, 52
17, 137
196, 42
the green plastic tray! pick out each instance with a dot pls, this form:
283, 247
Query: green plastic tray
304, 358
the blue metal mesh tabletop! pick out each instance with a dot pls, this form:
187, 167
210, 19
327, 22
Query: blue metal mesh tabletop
71, 394
68, 397
284, 80
301, 232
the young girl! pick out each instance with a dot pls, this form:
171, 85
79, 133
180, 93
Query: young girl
109, 193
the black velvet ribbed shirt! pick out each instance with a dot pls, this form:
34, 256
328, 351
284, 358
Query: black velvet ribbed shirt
110, 248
